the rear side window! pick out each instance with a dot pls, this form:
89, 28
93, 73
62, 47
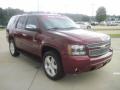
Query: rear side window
21, 22
12, 22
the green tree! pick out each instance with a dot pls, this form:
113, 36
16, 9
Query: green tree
101, 14
77, 17
1, 16
6, 14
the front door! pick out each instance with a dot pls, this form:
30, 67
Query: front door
32, 40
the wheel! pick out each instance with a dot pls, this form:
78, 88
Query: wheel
52, 65
13, 50
88, 27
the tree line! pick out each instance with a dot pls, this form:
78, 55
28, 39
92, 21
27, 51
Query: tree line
6, 14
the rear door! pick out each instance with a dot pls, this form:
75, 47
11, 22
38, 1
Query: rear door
19, 32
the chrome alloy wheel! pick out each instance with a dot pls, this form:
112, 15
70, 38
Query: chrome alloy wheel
12, 48
50, 66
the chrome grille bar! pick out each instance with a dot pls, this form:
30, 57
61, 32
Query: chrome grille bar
98, 49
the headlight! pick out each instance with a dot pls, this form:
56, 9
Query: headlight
76, 50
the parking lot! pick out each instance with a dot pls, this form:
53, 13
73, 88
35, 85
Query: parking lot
25, 73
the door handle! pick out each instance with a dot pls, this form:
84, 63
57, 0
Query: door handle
24, 34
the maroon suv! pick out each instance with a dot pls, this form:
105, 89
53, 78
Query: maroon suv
59, 42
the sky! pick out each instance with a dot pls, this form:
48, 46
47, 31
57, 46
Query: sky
87, 7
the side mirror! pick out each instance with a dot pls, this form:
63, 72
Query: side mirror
31, 27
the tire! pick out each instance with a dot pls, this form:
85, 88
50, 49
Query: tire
12, 48
88, 27
52, 65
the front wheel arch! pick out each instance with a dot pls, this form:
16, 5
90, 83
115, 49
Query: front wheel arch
49, 48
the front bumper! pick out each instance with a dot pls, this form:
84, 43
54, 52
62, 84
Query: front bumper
78, 64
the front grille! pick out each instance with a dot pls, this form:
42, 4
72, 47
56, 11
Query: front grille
95, 45
98, 52
98, 49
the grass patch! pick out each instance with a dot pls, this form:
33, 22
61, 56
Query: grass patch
1, 29
115, 35
106, 27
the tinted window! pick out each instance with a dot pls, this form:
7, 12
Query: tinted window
58, 22
11, 21
32, 23
32, 20
21, 22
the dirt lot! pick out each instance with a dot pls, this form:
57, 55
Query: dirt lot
25, 73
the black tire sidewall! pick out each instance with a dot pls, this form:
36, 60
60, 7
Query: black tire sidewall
88, 27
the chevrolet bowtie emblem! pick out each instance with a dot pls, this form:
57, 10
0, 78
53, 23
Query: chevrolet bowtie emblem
102, 46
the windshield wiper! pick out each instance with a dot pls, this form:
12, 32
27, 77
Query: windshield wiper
54, 28
57, 28
71, 28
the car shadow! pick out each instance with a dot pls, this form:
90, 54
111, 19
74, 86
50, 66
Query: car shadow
36, 63
31, 59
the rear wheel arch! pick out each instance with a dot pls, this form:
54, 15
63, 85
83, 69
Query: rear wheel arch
10, 38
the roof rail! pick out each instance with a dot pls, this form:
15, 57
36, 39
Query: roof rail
40, 13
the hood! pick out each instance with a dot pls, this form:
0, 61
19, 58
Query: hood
84, 36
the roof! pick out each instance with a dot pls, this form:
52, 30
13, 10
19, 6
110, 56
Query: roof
40, 13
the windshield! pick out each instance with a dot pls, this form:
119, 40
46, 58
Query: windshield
58, 22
